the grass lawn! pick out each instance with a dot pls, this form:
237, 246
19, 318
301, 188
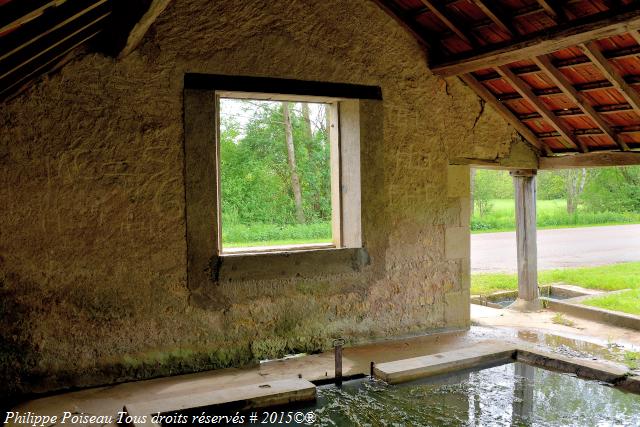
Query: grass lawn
627, 302
275, 242
608, 278
550, 214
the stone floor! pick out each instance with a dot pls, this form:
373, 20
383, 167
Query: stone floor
584, 339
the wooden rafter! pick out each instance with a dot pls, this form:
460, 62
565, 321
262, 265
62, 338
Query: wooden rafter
570, 140
26, 15
496, 15
440, 11
610, 73
635, 35
32, 38
563, 36
405, 22
156, 7
553, 9
507, 114
560, 80
90, 27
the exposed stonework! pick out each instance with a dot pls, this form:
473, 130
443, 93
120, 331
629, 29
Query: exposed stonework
92, 242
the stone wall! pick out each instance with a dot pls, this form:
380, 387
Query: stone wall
92, 238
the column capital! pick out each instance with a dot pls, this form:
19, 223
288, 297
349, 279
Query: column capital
524, 172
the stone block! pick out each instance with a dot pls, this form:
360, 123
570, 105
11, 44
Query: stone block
458, 181
457, 311
457, 243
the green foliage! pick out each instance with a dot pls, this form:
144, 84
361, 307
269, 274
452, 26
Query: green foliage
489, 185
610, 196
613, 189
550, 185
257, 201
559, 319
632, 359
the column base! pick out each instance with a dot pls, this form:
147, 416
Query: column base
525, 306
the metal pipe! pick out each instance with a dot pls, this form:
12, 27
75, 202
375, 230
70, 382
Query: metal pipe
337, 348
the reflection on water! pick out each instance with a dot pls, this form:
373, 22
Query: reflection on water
508, 395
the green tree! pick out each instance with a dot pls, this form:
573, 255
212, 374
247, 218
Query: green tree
613, 189
489, 185
256, 169
550, 186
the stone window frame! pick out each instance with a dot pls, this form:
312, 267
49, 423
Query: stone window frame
206, 263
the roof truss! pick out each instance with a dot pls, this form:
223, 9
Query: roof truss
535, 78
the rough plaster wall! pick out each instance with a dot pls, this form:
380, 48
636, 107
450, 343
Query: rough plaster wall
92, 244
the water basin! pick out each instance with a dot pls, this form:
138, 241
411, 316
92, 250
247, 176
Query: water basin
505, 395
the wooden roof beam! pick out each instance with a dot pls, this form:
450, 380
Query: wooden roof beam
24, 11
593, 159
553, 9
560, 80
496, 15
443, 14
507, 114
156, 7
610, 73
602, 109
563, 36
527, 93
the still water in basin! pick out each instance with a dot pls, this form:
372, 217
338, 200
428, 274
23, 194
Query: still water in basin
514, 394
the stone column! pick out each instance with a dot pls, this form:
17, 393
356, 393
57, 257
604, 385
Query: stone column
525, 191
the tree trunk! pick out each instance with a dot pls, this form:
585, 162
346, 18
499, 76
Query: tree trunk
307, 128
576, 181
295, 180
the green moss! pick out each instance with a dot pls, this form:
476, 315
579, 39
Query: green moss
632, 359
269, 348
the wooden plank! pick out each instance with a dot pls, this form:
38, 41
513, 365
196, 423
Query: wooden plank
19, 12
336, 173
50, 23
9, 88
497, 16
511, 118
349, 190
21, 60
246, 84
527, 93
544, 62
610, 73
140, 28
553, 9
442, 14
37, 35
267, 394
563, 36
592, 159
527, 249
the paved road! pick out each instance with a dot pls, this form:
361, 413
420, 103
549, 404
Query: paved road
560, 248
